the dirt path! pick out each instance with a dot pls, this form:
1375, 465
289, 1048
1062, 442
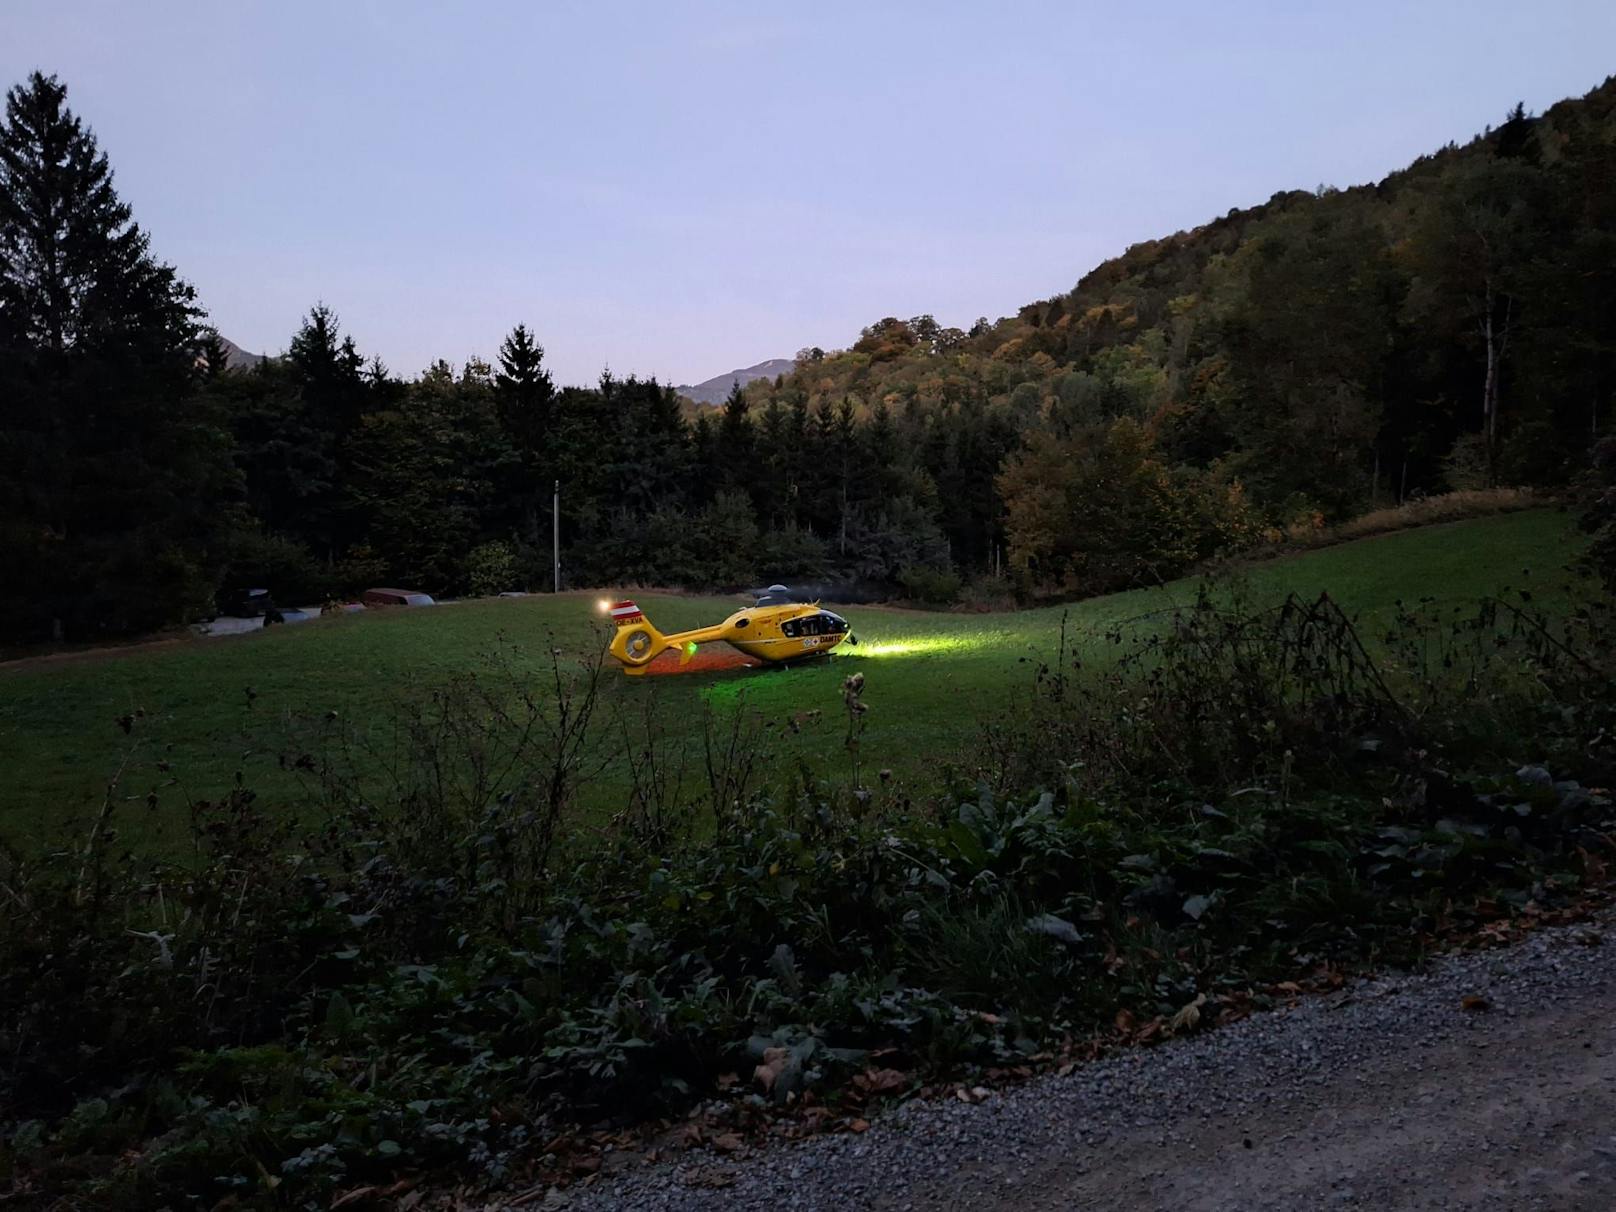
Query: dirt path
1390, 1095
1520, 1115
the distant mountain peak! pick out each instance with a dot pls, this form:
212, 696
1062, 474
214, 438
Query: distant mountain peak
713, 390
238, 358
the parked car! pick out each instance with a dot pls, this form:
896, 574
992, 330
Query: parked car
398, 597
245, 603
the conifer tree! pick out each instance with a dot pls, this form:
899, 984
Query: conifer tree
110, 477
523, 391
737, 443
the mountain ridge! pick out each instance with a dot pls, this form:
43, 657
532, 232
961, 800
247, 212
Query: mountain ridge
237, 358
713, 390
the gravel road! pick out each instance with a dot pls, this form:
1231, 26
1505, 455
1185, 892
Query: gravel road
1388, 1095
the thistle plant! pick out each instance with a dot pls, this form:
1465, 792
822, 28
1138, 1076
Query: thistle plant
853, 702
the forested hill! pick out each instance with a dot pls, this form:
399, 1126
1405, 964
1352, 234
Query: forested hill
1322, 348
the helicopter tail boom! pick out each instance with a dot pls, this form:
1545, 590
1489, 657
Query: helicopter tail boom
638, 643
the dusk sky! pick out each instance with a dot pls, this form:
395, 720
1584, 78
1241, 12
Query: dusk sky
678, 189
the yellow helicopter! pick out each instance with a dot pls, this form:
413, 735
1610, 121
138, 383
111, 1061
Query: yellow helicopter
776, 629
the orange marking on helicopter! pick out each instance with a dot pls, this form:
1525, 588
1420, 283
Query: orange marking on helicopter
704, 660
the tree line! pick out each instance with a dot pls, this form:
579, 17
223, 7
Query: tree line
1291, 364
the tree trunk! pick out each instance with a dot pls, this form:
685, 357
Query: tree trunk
1489, 412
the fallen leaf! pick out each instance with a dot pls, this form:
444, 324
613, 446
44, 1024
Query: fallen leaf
727, 1143
531, 1196
880, 1081
1189, 1015
1474, 1002
774, 1063
859, 1125
1125, 1021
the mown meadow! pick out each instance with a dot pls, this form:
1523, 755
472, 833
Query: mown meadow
172, 722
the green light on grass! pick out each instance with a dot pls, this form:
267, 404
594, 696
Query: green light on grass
911, 646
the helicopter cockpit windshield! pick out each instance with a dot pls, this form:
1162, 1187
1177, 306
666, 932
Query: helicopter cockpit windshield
823, 623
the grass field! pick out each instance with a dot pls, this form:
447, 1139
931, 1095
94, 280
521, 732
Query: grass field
931, 677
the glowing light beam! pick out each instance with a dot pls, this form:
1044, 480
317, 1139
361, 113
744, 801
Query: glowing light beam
911, 646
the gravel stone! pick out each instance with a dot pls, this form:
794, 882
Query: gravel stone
1389, 1095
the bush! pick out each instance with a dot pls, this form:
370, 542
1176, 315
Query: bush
987, 594
1596, 497
258, 559
492, 568
1533, 454
930, 586
1467, 467
361, 569
791, 552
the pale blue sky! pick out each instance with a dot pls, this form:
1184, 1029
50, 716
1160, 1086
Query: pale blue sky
678, 189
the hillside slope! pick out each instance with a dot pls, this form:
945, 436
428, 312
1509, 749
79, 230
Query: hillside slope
1325, 348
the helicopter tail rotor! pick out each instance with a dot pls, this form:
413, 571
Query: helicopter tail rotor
636, 643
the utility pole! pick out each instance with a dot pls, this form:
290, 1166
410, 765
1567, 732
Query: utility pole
555, 534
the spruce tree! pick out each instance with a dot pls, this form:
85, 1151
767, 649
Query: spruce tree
737, 443
73, 266
523, 391
111, 476
525, 411
213, 355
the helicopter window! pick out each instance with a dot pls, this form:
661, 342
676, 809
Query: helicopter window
740, 623
790, 629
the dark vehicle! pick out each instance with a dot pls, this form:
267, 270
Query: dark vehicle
245, 603
397, 597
